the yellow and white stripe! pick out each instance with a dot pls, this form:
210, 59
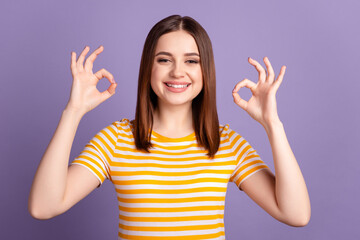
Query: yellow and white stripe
175, 191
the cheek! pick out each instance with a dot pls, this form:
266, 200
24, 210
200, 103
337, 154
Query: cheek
155, 79
156, 74
201, 80
198, 76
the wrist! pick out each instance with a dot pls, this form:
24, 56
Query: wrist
73, 111
272, 126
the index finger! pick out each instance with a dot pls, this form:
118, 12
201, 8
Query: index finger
89, 63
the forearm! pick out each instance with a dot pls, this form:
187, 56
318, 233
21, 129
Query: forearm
49, 183
290, 188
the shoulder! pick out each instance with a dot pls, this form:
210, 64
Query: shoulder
226, 131
122, 126
226, 134
232, 137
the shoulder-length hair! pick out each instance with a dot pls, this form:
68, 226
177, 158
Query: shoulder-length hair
204, 112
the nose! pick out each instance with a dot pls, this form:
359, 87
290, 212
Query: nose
178, 70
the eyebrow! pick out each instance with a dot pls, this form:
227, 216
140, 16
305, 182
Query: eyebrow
169, 54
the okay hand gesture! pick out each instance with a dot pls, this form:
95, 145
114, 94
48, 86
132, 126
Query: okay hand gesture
84, 95
262, 104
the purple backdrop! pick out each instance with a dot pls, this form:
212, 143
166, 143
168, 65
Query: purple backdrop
318, 100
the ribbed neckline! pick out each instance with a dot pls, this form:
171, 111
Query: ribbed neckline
162, 138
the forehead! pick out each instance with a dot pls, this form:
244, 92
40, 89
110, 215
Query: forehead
177, 42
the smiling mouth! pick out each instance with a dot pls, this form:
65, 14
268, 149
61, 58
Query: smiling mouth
177, 85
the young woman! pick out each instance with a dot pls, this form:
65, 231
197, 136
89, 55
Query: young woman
172, 163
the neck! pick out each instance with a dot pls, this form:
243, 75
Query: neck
173, 120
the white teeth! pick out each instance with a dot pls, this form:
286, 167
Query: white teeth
176, 86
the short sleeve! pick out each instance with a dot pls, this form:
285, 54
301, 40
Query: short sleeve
98, 153
247, 159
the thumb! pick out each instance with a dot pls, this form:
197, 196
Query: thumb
108, 92
239, 101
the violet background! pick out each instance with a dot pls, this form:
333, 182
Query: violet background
318, 100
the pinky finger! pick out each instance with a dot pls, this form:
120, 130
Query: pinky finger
280, 77
73, 62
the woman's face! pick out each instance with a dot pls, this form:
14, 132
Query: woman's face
176, 76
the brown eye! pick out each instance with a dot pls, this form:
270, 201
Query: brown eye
193, 61
162, 60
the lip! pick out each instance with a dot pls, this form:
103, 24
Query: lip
177, 83
177, 90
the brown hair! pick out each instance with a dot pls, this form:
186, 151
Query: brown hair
204, 112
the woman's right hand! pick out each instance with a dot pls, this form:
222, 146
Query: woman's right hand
84, 95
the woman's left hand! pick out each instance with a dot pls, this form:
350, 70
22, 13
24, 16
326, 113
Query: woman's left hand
262, 104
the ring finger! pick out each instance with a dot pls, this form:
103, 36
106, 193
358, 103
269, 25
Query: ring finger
259, 68
270, 70
90, 60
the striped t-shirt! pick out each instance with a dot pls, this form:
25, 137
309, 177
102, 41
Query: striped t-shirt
175, 191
